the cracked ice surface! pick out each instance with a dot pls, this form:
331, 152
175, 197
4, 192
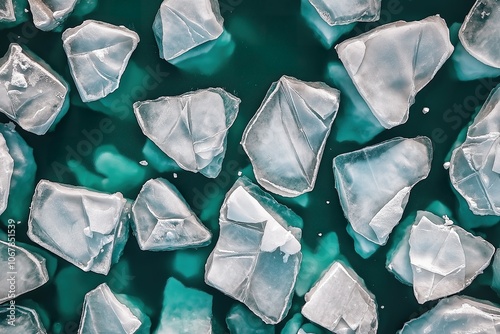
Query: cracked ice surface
7, 13
162, 220
180, 26
26, 321
374, 184
286, 137
341, 303
6, 170
347, 11
190, 128
256, 245
480, 32
457, 314
87, 228
98, 54
439, 258
49, 14
475, 165
31, 93
390, 64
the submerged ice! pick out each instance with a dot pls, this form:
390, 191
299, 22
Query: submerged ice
286, 137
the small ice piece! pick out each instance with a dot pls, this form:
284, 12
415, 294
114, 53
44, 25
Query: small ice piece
162, 220
256, 245
425, 110
240, 320
23, 274
84, 227
347, 11
190, 128
49, 14
98, 54
457, 314
6, 170
285, 139
103, 309
341, 303
7, 13
179, 27
417, 50
31, 93
374, 184
26, 320
480, 32
185, 310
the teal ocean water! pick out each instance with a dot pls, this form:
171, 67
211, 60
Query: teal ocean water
270, 39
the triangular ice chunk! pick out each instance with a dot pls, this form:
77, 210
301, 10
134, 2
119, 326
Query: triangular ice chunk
24, 320
286, 137
98, 54
390, 64
49, 14
374, 184
162, 220
347, 11
190, 128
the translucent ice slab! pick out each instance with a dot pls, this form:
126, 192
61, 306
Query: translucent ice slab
49, 14
286, 137
390, 64
25, 320
98, 54
86, 228
6, 170
256, 245
31, 93
190, 128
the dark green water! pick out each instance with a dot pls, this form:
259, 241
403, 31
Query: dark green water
271, 39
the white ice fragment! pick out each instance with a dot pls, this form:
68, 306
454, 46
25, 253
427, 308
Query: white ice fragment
341, 12
26, 320
49, 14
6, 170
7, 13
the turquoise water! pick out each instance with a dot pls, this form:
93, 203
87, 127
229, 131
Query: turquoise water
270, 39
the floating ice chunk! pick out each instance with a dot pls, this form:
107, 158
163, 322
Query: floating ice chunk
457, 314
31, 93
7, 13
102, 309
374, 184
469, 68
185, 310
162, 220
242, 321
416, 49
86, 228
23, 274
25, 320
190, 128
98, 54
480, 32
341, 303
286, 137
255, 246
6, 170
179, 27
49, 14
346, 11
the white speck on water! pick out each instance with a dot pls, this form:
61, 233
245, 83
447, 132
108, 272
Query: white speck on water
175, 175
425, 110
320, 234
240, 173
327, 202
446, 165
143, 163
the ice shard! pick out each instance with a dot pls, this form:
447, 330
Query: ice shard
25, 320
180, 27
98, 54
475, 164
105, 311
341, 303
49, 14
162, 220
286, 137
190, 128
390, 64
6, 170
86, 228
374, 184
31, 93
438, 258
480, 32
457, 314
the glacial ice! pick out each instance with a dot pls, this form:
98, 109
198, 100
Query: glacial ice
286, 137
26, 321
480, 32
469, 68
341, 303
98, 54
374, 184
6, 170
258, 242
49, 14
86, 228
438, 258
190, 128
346, 11
7, 13
417, 49
240, 320
162, 220
185, 310
180, 27
457, 314
103, 309
31, 93
13, 12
